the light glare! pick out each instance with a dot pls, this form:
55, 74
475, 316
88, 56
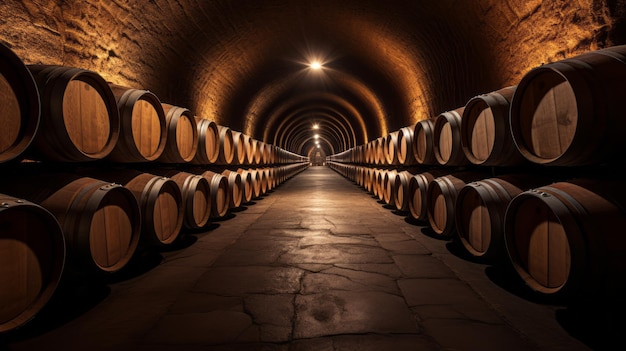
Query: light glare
315, 65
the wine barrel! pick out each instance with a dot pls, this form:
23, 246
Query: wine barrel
388, 186
401, 188
480, 211
249, 149
196, 196
565, 239
226, 151
21, 108
32, 260
239, 148
569, 112
485, 130
257, 146
160, 202
423, 144
390, 149
235, 186
143, 133
405, 146
447, 139
220, 192
182, 135
247, 185
101, 221
418, 192
80, 121
441, 200
256, 182
208, 150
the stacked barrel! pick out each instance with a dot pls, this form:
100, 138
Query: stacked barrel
93, 171
528, 176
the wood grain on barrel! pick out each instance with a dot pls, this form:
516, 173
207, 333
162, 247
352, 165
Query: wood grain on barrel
86, 117
146, 129
28, 251
477, 222
111, 232
10, 116
166, 215
186, 137
541, 244
548, 116
482, 131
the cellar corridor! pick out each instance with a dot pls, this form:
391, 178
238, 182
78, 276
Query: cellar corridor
315, 264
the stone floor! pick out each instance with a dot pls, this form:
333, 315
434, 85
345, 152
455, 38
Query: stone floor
316, 264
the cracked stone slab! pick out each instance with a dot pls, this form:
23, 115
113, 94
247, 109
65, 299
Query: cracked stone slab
238, 281
190, 302
455, 334
366, 343
337, 253
335, 239
346, 279
342, 312
422, 266
387, 269
273, 314
214, 327
406, 246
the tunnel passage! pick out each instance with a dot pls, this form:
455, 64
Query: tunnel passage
301, 82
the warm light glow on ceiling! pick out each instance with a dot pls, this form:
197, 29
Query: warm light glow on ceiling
316, 126
316, 136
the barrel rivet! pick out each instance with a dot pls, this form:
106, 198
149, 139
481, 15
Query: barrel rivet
5, 205
545, 194
19, 201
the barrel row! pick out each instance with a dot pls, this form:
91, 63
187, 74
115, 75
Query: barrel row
565, 113
561, 235
67, 114
93, 223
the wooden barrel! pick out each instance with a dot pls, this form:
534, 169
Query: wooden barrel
79, 117
447, 139
418, 192
388, 186
401, 189
208, 150
160, 202
182, 135
480, 211
423, 144
220, 192
569, 113
226, 148
565, 239
390, 149
21, 107
143, 132
485, 130
247, 185
32, 257
235, 186
196, 196
256, 182
405, 146
239, 148
441, 200
101, 221
248, 147
257, 146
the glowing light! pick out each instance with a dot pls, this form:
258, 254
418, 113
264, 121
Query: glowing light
317, 136
315, 65
318, 146
316, 126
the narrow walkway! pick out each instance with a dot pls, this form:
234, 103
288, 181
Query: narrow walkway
317, 264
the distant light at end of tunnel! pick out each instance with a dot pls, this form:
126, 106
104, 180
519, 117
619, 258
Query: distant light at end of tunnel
316, 136
316, 126
318, 146
315, 65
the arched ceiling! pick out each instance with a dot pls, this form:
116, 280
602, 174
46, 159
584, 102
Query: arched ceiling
386, 64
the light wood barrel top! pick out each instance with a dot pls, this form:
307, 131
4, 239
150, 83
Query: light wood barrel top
548, 116
146, 129
86, 117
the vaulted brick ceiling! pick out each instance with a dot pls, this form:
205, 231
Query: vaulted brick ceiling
387, 64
